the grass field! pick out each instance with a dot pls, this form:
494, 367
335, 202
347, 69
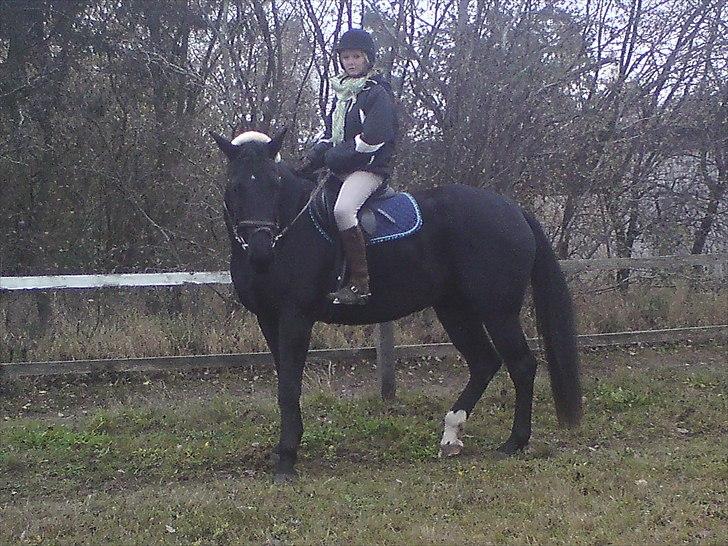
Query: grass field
183, 459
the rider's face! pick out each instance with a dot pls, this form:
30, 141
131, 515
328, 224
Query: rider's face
354, 61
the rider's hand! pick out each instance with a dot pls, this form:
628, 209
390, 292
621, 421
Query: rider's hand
316, 155
343, 158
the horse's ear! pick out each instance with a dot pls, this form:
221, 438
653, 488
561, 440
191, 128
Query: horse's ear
276, 143
228, 148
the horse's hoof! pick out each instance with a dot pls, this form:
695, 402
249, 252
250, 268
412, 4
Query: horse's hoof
451, 450
284, 478
508, 449
498, 455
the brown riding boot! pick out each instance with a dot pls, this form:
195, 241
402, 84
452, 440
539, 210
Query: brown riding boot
356, 290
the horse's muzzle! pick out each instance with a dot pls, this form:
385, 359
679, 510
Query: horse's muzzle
260, 248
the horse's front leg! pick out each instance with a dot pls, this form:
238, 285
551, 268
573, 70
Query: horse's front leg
268, 323
294, 336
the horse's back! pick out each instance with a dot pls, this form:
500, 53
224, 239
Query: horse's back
483, 237
467, 213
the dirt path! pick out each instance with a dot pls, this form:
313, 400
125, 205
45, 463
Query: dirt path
66, 398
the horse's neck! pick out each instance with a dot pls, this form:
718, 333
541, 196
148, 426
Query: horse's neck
296, 193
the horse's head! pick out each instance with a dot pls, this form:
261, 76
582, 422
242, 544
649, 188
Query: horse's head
252, 192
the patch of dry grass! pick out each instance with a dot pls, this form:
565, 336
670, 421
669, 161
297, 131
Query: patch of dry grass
116, 324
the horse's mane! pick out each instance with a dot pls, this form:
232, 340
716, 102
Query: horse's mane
295, 176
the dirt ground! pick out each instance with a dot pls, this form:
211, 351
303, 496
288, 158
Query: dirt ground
62, 399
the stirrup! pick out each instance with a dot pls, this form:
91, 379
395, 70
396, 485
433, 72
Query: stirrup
349, 295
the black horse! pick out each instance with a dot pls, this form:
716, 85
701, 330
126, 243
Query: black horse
471, 261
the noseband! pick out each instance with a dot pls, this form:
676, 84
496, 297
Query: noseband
258, 225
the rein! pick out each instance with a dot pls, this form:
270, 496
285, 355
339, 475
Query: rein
311, 197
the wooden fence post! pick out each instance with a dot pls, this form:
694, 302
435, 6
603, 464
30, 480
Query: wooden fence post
385, 360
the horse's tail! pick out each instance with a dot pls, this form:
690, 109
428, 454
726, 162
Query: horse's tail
556, 325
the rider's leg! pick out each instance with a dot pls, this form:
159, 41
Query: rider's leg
355, 190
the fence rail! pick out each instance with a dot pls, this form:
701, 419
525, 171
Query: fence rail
64, 282
665, 263
238, 360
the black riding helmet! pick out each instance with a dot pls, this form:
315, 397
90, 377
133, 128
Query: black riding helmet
358, 38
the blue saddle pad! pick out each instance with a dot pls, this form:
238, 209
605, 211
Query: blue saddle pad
382, 219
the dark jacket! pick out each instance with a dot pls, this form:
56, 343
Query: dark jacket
370, 131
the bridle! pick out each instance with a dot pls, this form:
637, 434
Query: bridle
259, 225
267, 225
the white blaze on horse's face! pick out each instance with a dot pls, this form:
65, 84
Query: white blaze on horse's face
450, 444
253, 183
254, 136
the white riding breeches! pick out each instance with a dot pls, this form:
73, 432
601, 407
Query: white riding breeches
355, 190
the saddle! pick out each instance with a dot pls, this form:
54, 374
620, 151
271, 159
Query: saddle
386, 216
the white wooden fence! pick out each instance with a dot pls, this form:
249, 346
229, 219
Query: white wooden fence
385, 351
63, 282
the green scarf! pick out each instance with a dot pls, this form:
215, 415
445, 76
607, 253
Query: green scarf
346, 89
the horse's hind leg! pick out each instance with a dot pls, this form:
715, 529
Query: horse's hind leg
511, 344
468, 336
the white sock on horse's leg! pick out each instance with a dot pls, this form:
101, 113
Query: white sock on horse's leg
450, 444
